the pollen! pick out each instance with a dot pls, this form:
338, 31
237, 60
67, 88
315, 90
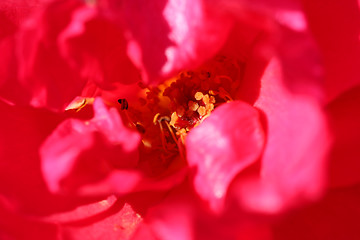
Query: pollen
166, 113
199, 96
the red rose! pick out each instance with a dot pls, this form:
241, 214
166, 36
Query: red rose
176, 119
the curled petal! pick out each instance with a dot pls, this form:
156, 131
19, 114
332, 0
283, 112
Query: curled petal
167, 36
80, 152
293, 164
227, 142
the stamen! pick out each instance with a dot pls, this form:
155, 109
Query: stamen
124, 104
181, 104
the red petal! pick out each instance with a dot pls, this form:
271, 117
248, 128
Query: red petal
40, 77
97, 48
182, 216
344, 114
338, 41
223, 145
83, 152
22, 131
335, 217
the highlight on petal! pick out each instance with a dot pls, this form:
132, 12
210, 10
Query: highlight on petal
109, 218
166, 36
227, 142
293, 164
83, 152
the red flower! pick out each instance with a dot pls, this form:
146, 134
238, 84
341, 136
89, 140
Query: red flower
223, 122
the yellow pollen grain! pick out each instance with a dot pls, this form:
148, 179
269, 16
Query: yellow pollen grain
201, 110
212, 99
210, 107
181, 131
193, 106
199, 96
206, 99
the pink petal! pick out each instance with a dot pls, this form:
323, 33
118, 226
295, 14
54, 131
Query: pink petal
83, 152
293, 163
223, 145
344, 114
109, 219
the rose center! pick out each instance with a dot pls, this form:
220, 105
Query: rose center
182, 103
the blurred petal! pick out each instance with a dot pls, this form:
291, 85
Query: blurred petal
335, 217
338, 42
293, 163
344, 114
181, 215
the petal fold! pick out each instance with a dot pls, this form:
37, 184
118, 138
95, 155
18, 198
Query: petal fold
223, 145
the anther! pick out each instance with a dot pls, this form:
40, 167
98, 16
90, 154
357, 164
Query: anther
123, 103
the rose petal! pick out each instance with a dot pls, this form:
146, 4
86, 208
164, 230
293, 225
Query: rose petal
82, 152
22, 131
167, 36
181, 215
344, 114
338, 41
39, 75
293, 163
97, 48
220, 147
335, 217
